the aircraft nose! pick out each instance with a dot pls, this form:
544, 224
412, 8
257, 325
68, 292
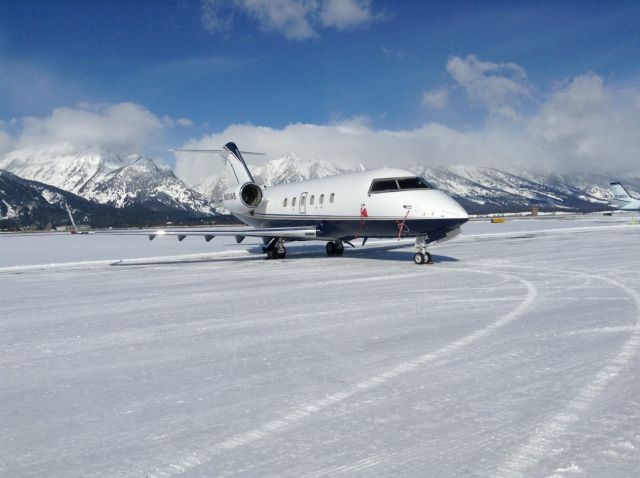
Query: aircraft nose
451, 209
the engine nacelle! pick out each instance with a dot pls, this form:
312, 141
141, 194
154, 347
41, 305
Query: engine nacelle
242, 199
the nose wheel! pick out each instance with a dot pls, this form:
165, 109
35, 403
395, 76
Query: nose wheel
335, 248
422, 256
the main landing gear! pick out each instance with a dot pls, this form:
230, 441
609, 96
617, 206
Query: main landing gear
335, 248
422, 256
275, 249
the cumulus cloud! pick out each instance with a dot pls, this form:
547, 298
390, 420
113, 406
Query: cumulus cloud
352, 142
289, 17
345, 14
583, 125
497, 86
122, 126
294, 19
589, 125
436, 98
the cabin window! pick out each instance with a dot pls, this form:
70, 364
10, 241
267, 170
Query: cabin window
311, 200
413, 183
332, 197
395, 184
321, 198
293, 202
284, 203
303, 201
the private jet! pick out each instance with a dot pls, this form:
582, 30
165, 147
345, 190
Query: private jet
380, 203
622, 199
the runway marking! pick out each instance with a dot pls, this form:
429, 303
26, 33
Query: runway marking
541, 442
206, 454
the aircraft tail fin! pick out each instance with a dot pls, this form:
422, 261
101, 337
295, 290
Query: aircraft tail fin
235, 161
619, 192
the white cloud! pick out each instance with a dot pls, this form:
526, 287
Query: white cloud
345, 14
122, 126
7, 142
215, 16
294, 19
186, 122
588, 125
289, 17
437, 98
584, 125
497, 86
352, 142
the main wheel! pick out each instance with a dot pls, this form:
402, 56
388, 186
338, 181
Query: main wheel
339, 248
281, 255
272, 253
419, 258
429, 258
331, 248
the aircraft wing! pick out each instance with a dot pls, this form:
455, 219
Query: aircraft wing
299, 233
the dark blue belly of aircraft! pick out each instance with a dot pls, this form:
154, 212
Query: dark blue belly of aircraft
347, 229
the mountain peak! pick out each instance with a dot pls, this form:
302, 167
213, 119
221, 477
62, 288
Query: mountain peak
105, 177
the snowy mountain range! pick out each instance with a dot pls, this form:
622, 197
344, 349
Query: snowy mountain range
480, 190
288, 169
26, 203
31, 203
104, 177
134, 187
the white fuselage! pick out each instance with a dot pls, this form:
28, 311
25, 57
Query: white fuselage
345, 207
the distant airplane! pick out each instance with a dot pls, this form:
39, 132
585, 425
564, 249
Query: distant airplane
622, 199
380, 203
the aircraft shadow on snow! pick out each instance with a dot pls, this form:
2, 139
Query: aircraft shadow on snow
377, 253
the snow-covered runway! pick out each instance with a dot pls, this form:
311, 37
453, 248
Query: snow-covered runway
516, 354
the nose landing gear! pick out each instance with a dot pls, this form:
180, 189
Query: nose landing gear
422, 256
335, 248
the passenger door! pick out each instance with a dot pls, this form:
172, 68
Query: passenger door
303, 203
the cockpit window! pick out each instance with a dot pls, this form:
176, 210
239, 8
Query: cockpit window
379, 185
413, 183
395, 184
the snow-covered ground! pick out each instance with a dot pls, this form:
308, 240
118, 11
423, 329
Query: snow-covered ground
516, 354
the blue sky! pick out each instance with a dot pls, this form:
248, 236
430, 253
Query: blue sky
200, 67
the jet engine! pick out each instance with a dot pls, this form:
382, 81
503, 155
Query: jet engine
242, 199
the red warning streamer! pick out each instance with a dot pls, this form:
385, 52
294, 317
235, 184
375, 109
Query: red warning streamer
401, 224
363, 218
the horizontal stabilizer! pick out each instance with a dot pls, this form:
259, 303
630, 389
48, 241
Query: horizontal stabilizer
232, 157
211, 151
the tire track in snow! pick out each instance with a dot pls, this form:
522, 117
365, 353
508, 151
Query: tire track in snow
529, 455
305, 411
541, 442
